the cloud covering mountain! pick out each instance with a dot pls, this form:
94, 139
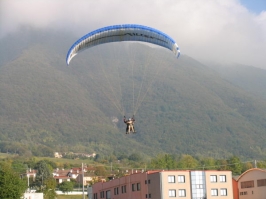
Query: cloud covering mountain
213, 30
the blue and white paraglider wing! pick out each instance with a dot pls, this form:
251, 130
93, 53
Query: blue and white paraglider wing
125, 32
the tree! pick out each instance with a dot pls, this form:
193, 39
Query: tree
235, 165
43, 172
49, 190
246, 166
19, 166
66, 186
222, 165
208, 163
187, 162
135, 157
97, 158
261, 164
163, 161
100, 171
11, 186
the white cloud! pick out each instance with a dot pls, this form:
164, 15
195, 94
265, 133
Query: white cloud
219, 30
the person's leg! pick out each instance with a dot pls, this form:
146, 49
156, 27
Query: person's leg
127, 130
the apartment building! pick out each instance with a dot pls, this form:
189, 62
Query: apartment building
185, 184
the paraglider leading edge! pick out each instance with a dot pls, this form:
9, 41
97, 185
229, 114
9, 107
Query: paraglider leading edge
124, 32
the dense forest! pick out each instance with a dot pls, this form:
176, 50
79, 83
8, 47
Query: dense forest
181, 106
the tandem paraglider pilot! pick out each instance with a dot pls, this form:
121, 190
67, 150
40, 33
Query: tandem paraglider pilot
130, 124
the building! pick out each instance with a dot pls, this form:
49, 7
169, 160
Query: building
58, 155
61, 175
167, 184
33, 196
251, 184
86, 179
235, 188
30, 174
73, 173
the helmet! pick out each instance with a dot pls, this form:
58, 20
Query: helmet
129, 119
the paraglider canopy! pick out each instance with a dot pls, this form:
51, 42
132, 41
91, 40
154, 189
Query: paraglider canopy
124, 32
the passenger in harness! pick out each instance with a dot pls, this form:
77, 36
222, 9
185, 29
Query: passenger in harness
130, 124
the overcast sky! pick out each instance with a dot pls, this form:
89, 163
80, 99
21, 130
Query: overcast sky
216, 30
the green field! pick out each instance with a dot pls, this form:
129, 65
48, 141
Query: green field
56, 160
69, 161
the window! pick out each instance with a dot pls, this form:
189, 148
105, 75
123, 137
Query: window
222, 178
95, 196
261, 182
148, 195
171, 179
214, 192
147, 181
108, 194
181, 179
124, 190
133, 187
223, 192
213, 178
243, 193
247, 184
199, 186
172, 193
102, 194
116, 191
138, 186
182, 193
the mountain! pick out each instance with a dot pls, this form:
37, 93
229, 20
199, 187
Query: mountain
180, 106
249, 78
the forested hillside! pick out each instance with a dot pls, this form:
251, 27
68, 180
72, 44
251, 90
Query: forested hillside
248, 78
181, 106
